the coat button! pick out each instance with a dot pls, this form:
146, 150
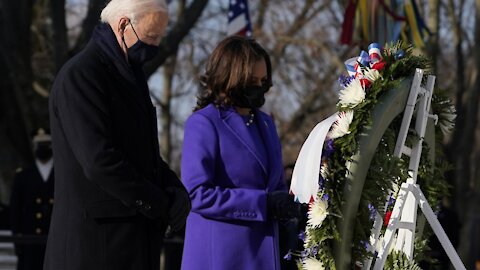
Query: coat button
139, 202
38, 215
38, 231
50, 200
38, 200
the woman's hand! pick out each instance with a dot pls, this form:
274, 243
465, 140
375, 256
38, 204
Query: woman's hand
281, 206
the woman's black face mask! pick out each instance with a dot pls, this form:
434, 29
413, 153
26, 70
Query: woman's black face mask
251, 96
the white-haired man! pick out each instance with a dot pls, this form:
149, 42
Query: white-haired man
114, 195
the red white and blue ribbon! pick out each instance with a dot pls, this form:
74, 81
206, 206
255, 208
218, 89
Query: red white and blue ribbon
372, 59
374, 52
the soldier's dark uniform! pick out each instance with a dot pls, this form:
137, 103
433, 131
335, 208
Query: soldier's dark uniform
31, 207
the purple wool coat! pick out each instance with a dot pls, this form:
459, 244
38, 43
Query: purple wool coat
228, 226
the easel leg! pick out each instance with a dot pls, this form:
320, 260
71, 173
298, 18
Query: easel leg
437, 228
406, 234
391, 229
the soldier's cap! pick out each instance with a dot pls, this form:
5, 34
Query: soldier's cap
41, 136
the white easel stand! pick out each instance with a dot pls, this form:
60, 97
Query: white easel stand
410, 196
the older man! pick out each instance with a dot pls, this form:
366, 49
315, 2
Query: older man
114, 195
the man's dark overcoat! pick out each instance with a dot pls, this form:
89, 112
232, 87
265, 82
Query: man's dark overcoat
110, 201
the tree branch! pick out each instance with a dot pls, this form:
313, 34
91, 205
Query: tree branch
262, 9
170, 43
59, 29
93, 14
300, 21
307, 105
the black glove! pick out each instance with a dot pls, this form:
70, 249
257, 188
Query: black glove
282, 206
303, 215
179, 208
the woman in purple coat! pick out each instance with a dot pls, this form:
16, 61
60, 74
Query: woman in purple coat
232, 165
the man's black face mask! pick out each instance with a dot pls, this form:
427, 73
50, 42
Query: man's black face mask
141, 52
251, 96
43, 151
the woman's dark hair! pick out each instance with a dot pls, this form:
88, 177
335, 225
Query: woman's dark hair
229, 68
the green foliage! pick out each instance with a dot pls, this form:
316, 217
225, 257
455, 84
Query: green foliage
386, 172
397, 260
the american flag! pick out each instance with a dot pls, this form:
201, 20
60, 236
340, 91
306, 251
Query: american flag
239, 19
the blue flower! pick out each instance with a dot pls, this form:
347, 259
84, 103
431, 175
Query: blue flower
391, 200
288, 257
325, 197
399, 54
321, 182
304, 253
301, 236
329, 148
345, 80
365, 244
373, 211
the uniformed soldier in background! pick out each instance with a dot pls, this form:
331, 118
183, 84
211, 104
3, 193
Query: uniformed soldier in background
31, 202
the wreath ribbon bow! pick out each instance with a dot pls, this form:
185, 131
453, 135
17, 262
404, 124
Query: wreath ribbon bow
372, 60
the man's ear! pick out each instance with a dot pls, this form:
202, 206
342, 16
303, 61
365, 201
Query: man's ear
122, 24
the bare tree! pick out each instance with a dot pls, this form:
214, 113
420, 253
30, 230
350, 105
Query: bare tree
468, 187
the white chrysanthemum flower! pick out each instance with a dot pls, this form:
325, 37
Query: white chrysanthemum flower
312, 264
317, 213
324, 172
352, 95
371, 74
341, 126
447, 120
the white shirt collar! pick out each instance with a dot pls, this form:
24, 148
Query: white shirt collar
44, 168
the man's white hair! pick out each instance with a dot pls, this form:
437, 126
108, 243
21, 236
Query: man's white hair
132, 9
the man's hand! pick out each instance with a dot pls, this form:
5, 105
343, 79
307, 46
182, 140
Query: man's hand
179, 208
